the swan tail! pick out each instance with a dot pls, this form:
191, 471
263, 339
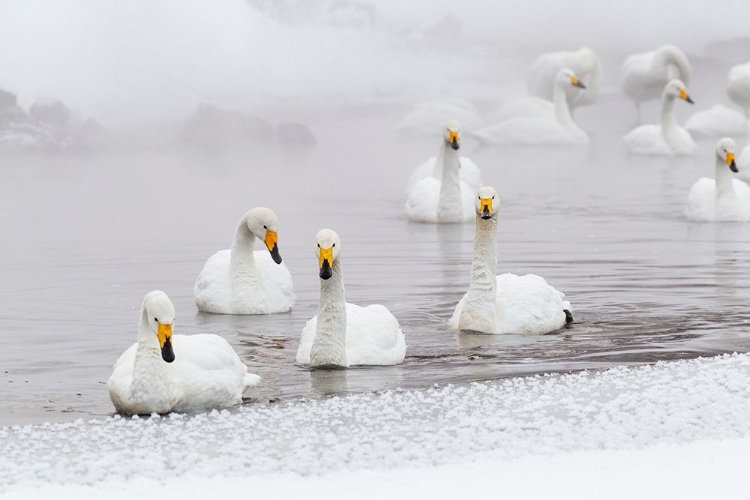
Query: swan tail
251, 380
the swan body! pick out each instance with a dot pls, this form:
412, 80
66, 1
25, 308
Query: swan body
343, 334
645, 75
738, 86
243, 281
505, 303
446, 199
538, 127
722, 198
428, 117
718, 121
667, 138
524, 107
162, 373
583, 62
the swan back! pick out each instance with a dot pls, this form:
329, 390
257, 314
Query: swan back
667, 55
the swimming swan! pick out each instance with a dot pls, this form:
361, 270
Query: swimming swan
738, 86
645, 75
468, 170
162, 373
538, 128
427, 118
344, 334
447, 199
667, 138
505, 303
718, 121
583, 62
721, 198
241, 281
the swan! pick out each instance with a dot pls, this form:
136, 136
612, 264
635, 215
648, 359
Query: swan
241, 281
738, 86
584, 62
644, 75
428, 117
721, 198
667, 138
468, 170
447, 199
162, 373
541, 129
505, 303
344, 334
718, 121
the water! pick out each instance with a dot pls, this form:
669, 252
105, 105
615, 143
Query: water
86, 238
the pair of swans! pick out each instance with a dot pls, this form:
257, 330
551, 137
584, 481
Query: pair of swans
533, 121
721, 198
667, 138
583, 62
443, 191
645, 75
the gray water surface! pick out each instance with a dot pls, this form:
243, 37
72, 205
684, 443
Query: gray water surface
84, 239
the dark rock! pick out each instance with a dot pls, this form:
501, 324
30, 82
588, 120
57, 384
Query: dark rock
53, 113
214, 128
294, 135
7, 100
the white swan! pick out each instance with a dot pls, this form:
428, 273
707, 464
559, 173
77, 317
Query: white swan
721, 198
505, 303
584, 62
538, 129
241, 281
468, 170
447, 199
344, 334
738, 86
667, 138
718, 121
428, 117
645, 75
162, 373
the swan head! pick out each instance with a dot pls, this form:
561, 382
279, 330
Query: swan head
452, 134
676, 89
158, 313
726, 150
486, 202
567, 77
263, 223
327, 250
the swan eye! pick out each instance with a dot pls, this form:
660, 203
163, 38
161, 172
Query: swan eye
333, 246
265, 227
493, 197
156, 319
318, 245
479, 197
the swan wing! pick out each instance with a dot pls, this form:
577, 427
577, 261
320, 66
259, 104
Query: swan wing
276, 282
212, 290
647, 140
373, 336
718, 121
469, 173
422, 203
423, 171
526, 106
701, 201
528, 305
122, 375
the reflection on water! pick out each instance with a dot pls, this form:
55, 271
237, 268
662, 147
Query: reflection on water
86, 238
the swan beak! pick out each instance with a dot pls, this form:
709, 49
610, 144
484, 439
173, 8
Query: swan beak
486, 206
326, 261
684, 95
730, 162
272, 242
165, 342
453, 139
576, 82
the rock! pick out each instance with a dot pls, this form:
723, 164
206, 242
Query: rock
53, 113
7, 100
214, 128
294, 135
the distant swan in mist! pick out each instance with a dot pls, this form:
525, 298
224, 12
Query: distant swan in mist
532, 121
738, 86
717, 121
468, 170
447, 199
721, 198
243, 281
162, 373
344, 334
667, 138
645, 75
428, 118
584, 62
505, 303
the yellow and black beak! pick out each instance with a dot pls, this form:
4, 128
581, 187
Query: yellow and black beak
326, 263
272, 243
485, 206
685, 97
730, 162
164, 333
574, 81
453, 139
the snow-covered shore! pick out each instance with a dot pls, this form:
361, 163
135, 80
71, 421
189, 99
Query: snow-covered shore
673, 428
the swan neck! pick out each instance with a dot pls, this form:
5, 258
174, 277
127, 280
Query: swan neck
329, 346
724, 181
151, 386
484, 262
242, 259
562, 110
668, 120
437, 169
449, 206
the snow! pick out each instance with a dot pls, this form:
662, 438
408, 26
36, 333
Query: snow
672, 425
